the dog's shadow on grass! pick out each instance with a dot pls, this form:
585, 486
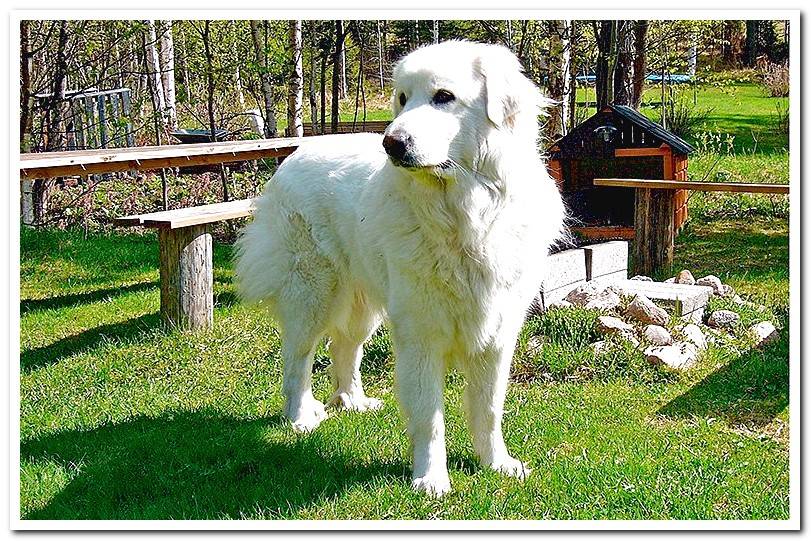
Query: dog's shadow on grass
752, 389
197, 465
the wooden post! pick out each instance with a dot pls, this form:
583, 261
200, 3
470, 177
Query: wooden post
654, 227
187, 276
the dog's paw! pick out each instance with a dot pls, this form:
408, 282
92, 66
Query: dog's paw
435, 485
511, 467
308, 416
350, 402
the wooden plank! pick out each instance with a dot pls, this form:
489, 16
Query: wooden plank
638, 152
692, 185
605, 232
190, 216
82, 162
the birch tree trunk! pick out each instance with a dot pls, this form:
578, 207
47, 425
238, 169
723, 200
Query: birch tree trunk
26, 104
336, 75
436, 31
342, 69
155, 67
311, 86
167, 71
380, 58
264, 77
295, 80
572, 87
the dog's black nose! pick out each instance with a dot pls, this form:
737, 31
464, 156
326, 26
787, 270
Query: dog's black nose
395, 147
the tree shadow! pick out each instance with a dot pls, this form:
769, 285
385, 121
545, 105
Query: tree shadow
35, 358
197, 465
62, 301
752, 390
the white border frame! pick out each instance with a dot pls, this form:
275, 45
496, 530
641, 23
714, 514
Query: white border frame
793, 523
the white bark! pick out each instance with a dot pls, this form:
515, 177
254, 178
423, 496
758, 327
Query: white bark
436, 31
566, 65
167, 71
295, 86
380, 57
154, 66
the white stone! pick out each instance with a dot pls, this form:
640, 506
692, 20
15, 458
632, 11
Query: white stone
562, 303
657, 335
723, 319
678, 356
607, 262
641, 278
644, 310
685, 277
692, 333
565, 271
764, 333
599, 347
713, 281
611, 324
592, 295
727, 290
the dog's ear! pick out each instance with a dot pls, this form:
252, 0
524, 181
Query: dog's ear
512, 100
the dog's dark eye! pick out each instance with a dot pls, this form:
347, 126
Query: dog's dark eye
402, 99
443, 96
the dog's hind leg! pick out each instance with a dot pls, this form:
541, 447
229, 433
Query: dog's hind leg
346, 349
298, 349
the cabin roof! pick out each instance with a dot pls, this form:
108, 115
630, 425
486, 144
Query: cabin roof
582, 140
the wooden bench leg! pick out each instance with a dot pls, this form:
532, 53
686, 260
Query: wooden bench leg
187, 277
654, 230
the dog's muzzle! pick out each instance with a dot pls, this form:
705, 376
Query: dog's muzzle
399, 150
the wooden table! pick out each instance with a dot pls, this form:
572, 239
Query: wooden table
654, 228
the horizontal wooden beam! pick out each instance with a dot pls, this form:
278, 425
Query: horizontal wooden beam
83, 162
640, 152
605, 232
692, 185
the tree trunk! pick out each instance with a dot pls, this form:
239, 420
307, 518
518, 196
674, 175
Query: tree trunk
640, 63
342, 67
155, 68
323, 91
624, 63
211, 89
436, 31
167, 70
295, 80
751, 47
555, 80
572, 75
380, 58
26, 99
311, 86
604, 81
264, 77
336, 75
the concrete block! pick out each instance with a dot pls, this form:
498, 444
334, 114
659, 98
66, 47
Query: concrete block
607, 262
565, 271
686, 301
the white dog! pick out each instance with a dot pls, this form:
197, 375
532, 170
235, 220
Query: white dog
445, 234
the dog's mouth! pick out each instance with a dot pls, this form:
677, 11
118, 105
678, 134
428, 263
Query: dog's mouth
416, 166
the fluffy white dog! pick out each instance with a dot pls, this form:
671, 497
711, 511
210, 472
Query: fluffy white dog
442, 226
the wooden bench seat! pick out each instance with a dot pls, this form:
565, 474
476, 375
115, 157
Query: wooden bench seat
186, 258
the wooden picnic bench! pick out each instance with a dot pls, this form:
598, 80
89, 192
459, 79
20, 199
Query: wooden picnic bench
186, 258
373, 126
654, 227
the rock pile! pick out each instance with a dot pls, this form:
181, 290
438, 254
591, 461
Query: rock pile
666, 340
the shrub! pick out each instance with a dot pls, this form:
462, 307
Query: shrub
775, 79
683, 117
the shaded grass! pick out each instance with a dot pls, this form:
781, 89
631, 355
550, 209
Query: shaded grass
122, 418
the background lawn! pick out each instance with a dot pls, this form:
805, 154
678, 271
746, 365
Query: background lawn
123, 418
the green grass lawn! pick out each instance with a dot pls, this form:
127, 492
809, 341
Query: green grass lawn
122, 418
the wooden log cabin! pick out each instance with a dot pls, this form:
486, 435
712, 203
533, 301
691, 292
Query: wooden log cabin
617, 142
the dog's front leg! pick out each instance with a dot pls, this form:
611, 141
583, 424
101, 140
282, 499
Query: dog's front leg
420, 376
487, 378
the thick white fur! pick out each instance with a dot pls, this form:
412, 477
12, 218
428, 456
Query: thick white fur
451, 253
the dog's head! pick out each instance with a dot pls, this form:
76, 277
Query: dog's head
452, 100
